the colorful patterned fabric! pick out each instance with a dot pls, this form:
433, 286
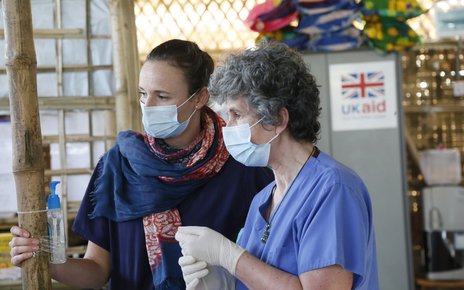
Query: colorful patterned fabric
195, 152
271, 15
310, 3
322, 7
400, 10
344, 39
390, 35
330, 21
286, 35
159, 228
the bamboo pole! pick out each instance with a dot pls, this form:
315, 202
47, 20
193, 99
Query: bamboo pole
61, 116
28, 167
119, 65
126, 65
133, 63
90, 90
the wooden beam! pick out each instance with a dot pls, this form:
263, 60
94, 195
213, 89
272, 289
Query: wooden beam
78, 138
68, 171
69, 103
68, 33
457, 107
52, 33
69, 68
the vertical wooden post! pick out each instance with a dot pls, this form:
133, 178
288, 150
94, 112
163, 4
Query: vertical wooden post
133, 63
126, 64
28, 168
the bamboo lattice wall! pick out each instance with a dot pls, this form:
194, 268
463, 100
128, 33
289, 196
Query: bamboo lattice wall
216, 25
74, 89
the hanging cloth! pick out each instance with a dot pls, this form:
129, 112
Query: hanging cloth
344, 39
400, 10
271, 15
329, 21
390, 35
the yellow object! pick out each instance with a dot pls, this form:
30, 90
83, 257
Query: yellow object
5, 238
392, 31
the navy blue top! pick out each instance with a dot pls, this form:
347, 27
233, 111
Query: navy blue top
221, 204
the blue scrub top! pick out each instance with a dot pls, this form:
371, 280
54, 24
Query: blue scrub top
325, 218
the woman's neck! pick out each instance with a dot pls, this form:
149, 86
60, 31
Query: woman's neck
290, 158
189, 135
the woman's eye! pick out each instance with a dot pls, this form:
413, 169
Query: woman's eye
233, 117
143, 97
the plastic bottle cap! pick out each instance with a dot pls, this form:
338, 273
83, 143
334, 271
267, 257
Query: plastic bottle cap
53, 198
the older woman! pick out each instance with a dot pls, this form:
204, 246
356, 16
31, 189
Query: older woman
312, 227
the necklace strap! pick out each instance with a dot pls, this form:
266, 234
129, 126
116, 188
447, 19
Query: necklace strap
267, 231
315, 152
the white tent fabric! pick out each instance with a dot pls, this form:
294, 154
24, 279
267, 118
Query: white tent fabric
74, 52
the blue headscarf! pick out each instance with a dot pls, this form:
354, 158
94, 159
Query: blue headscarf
129, 170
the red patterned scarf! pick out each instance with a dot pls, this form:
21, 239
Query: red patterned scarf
160, 228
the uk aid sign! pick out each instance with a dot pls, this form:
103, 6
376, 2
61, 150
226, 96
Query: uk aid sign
363, 96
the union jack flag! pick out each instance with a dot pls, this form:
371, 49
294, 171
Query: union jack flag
361, 85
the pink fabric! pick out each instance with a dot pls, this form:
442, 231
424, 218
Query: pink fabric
160, 227
255, 22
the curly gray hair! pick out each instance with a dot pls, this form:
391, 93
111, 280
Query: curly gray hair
270, 77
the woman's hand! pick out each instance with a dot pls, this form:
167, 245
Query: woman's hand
22, 246
200, 276
210, 246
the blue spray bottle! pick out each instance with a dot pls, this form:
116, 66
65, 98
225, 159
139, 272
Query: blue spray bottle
56, 233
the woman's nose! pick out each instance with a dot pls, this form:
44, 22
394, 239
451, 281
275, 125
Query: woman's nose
149, 100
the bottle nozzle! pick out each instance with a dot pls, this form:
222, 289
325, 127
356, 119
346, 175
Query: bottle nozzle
53, 198
53, 185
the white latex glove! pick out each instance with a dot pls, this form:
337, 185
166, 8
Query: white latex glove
200, 276
208, 245
192, 271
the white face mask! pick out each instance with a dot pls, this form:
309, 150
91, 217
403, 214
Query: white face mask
161, 121
239, 145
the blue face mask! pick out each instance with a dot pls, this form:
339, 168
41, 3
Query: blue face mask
161, 121
239, 145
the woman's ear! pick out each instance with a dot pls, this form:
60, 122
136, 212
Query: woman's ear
283, 118
202, 98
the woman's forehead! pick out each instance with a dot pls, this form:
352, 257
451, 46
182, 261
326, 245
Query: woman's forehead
237, 104
162, 76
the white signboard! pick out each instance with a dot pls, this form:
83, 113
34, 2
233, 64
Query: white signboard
363, 96
449, 21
